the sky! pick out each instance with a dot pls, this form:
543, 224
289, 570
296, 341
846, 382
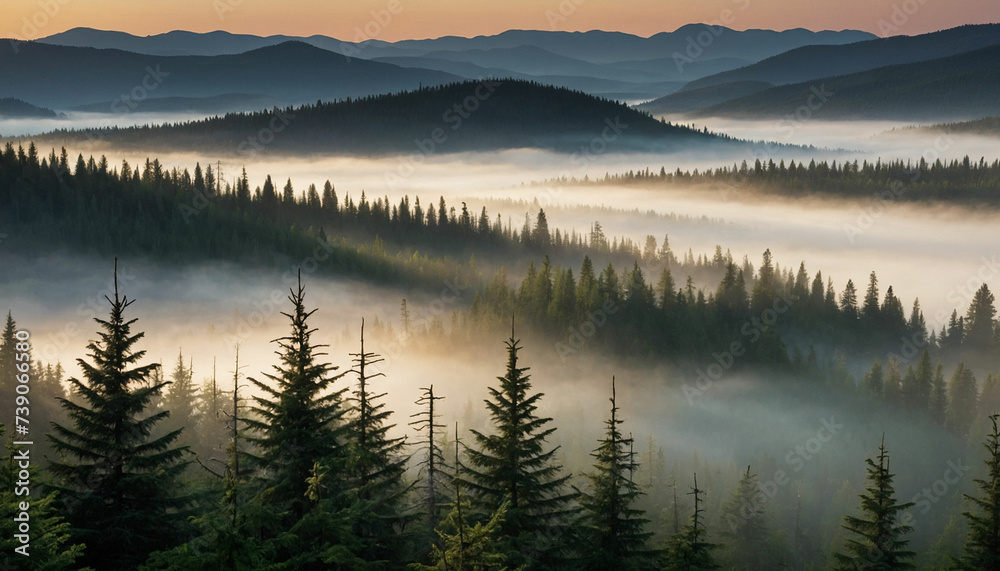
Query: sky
393, 20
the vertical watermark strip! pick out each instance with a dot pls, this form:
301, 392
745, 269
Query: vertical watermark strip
21, 451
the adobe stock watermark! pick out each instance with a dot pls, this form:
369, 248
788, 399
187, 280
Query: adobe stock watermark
380, 20
223, 7
815, 100
753, 329
564, 10
901, 14
128, 102
449, 295
52, 343
454, 117
959, 296
697, 44
31, 27
795, 461
926, 498
880, 201
279, 121
267, 306
580, 334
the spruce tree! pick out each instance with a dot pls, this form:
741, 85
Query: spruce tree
963, 400
298, 419
180, 400
689, 550
744, 528
982, 549
7, 370
879, 543
377, 464
464, 546
118, 481
513, 465
614, 530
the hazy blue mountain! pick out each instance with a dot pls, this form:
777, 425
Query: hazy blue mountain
608, 47
11, 108
174, 43
964, 86
815, 61
290, 73
688, 100
594, 46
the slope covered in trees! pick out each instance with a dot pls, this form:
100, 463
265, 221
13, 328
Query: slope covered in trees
473, 115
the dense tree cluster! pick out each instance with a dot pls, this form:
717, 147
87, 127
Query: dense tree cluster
964, 180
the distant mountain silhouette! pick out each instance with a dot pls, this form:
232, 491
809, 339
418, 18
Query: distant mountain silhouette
610, 64
290, 73
963, 86
594, 46
813, 62
466, 116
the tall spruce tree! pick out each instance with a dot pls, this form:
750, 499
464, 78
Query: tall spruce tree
180, 400
297, 420
513, 465
744, 528
614, 531
118, 482
982, 549
377, 464
879, 543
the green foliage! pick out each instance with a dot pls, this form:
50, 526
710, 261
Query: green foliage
50, 547
689, 550
376, 466
468, 547
298, 419
744, 529
879, 542
512, 465
960, 180
121, 494
982, 549
963, 400
614, 531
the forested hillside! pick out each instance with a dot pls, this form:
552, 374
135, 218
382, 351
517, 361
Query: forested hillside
458, 117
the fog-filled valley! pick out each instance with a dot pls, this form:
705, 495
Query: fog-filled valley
730, 322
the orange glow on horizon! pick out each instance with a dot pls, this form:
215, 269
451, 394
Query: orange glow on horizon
393, 20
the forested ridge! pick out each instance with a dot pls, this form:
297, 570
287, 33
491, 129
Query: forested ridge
313, 473
965, 181
481, 115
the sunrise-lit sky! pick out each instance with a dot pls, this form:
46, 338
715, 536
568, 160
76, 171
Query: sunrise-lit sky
405, 19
